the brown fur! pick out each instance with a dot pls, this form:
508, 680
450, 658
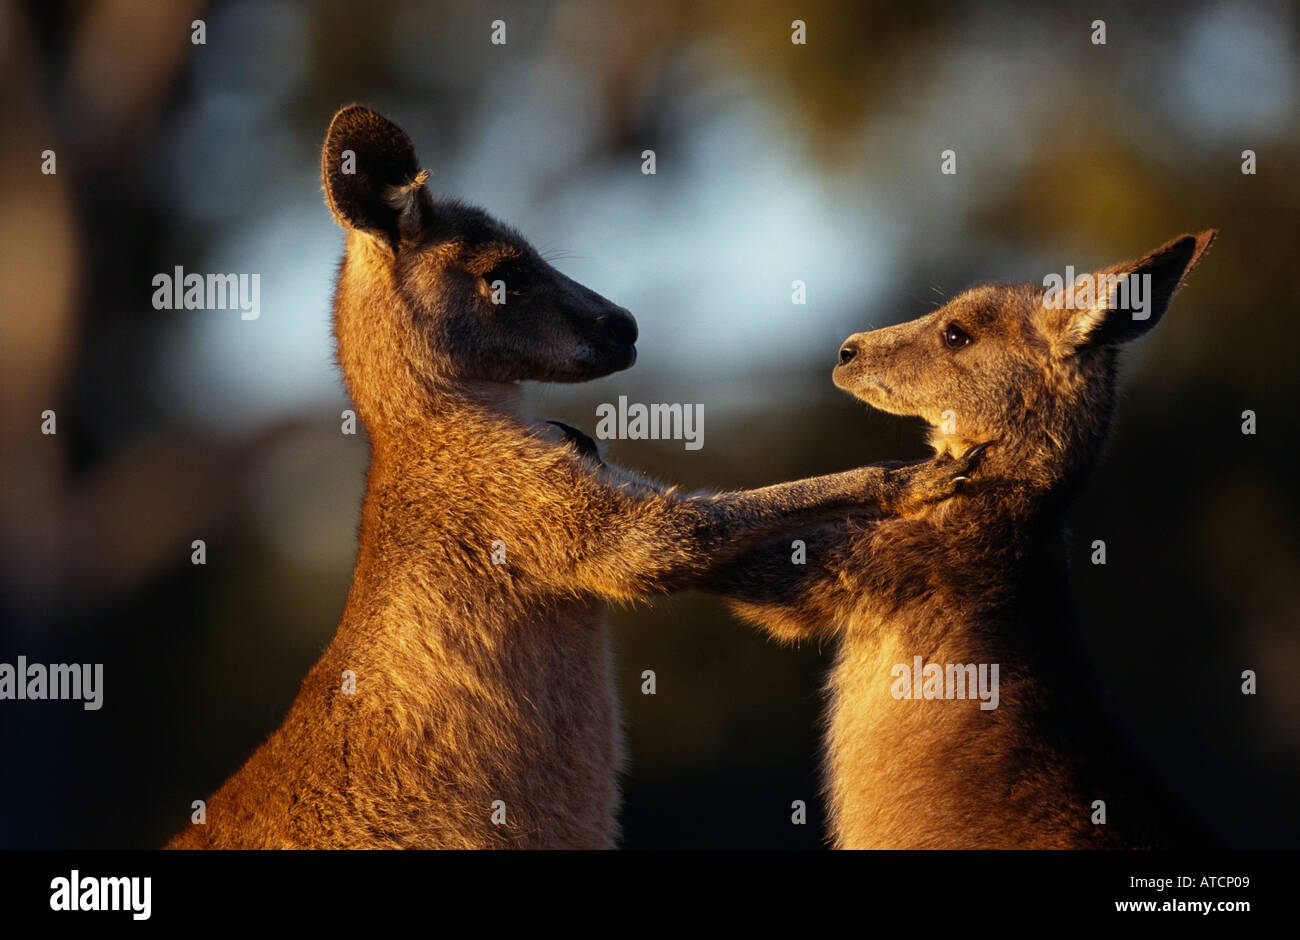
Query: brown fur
981, 578
478, 682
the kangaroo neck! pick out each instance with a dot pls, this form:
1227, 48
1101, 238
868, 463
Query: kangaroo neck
427, 478
448, 419
1031, 476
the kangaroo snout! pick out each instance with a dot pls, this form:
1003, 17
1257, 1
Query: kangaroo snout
865, 362
622, 325
852, 359
616, 333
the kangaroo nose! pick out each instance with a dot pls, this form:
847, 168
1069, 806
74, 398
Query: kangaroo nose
848, 352
624, 326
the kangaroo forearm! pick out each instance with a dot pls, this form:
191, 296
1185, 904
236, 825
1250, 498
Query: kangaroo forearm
669, 542
771, 509
791, 586
734, 524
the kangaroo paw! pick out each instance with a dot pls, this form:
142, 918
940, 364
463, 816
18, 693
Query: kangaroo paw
937, 479
962, 467
585, 446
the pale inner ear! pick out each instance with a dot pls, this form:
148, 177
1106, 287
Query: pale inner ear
1120, 300
1107, 295
404, 199
1076, 310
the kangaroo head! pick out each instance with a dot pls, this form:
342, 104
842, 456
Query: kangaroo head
432, 291
1031, 366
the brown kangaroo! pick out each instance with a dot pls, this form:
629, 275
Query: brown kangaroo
1013, 758
467, 699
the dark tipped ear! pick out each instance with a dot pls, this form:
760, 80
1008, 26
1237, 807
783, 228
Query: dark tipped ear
372, 179
1128, 299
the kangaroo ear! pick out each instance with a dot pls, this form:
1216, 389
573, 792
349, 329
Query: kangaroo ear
1126, 300
372, 179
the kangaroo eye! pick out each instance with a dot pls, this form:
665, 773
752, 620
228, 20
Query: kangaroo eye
954, 337
512, 274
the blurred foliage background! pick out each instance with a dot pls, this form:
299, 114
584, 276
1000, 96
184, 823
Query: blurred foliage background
775, 162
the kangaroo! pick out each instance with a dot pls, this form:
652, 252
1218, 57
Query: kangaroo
929, 605
466, 700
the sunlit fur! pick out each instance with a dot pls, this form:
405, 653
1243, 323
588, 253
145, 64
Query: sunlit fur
479, 682
981, 578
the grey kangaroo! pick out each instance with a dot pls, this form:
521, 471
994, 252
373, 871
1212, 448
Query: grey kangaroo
1025, 760
466, 699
